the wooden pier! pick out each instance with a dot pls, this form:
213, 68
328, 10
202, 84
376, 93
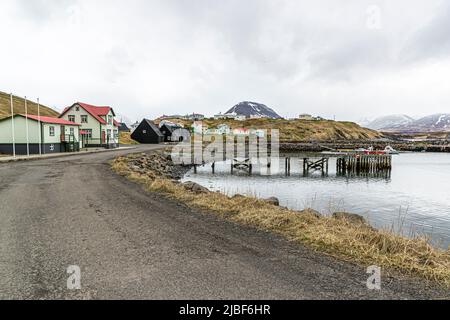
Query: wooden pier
356, 164
346, 165
315, 165
243, 165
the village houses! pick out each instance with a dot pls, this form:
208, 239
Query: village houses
38, 135
98, 125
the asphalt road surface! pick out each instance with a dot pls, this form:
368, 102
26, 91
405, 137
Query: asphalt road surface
129, 244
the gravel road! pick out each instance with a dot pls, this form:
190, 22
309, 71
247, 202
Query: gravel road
129, 244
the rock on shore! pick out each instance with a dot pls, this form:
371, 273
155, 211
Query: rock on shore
158, 165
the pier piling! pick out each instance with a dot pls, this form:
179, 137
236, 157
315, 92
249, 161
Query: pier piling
363, 164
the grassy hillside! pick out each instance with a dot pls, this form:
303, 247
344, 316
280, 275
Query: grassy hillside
299, 130
19, 107
125, 138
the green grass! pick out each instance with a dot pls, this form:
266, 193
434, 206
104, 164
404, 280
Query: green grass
19, 107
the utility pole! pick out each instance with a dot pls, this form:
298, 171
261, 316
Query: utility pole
26, 119
39, 127
12, 126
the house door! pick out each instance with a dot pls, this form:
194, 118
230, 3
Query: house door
63, 134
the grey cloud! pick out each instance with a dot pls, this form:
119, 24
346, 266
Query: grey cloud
159, 56
41, 10
431, 40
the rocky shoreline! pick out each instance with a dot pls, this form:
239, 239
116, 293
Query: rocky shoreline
160, 165
342, 234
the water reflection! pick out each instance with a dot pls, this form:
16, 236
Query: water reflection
412, 199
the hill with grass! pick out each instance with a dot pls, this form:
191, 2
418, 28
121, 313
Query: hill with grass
125, 139
297, 130
19, 107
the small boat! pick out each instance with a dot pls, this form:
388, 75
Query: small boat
370, 151
390, 150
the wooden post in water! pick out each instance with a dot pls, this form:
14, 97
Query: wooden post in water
288, 166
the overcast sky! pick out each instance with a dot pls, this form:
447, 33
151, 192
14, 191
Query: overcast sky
349, 58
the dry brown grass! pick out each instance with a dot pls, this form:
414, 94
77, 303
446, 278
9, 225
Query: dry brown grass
19, 107
339, 238
299, 130
125, 138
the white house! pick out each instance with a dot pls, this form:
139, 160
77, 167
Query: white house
223, 129
260, 133
194, 117
306, 117
49, 135
98, 125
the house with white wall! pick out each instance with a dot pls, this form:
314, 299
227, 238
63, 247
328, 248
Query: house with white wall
223, 129
35, 134
98, 125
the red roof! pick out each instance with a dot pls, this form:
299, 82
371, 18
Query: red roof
51, 120
95, 111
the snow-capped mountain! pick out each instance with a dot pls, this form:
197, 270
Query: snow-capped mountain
364, 122
403, 123
253, 110
435, 122
391, 122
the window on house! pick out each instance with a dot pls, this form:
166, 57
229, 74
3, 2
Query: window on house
89, 133
51, 131
72, 118
110, 120
72, 131
84, 119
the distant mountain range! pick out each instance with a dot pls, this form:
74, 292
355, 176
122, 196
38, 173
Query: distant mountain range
253, 110
403, 123
390, 122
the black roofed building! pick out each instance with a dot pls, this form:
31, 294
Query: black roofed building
123, 127
147, 133
174, 133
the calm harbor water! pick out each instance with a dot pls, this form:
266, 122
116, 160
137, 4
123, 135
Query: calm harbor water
414, 200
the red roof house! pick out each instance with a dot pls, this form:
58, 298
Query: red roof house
51, 120
98, 125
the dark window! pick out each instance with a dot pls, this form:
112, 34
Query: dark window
51, 131
84, 119
71, 118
